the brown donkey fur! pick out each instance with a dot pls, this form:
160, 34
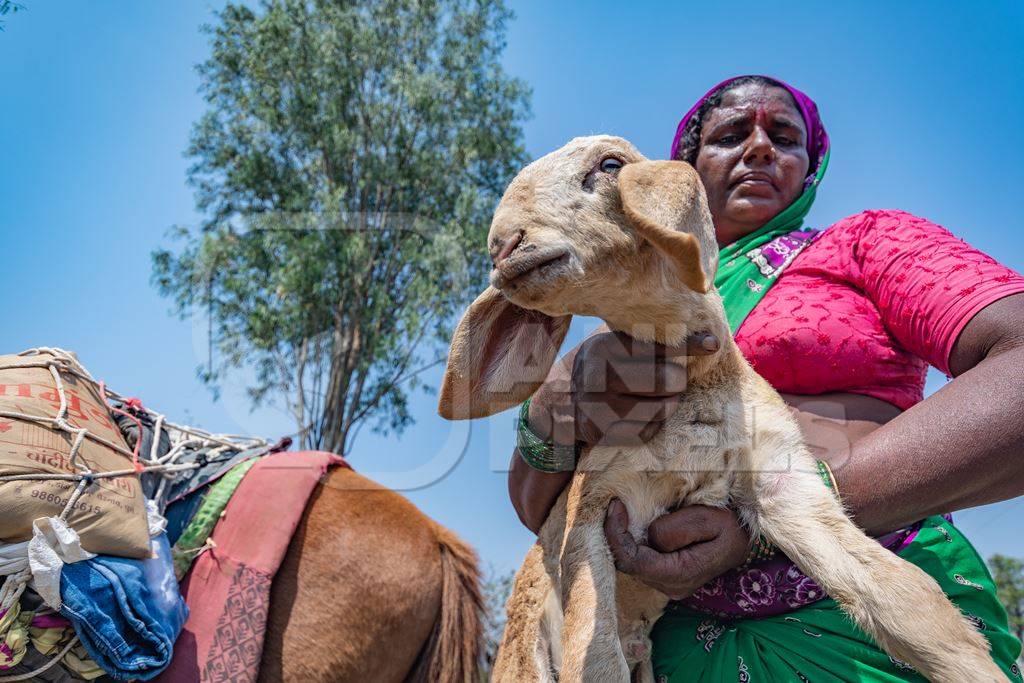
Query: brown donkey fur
371, 589
632, 242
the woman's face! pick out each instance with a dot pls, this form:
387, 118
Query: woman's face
752, 158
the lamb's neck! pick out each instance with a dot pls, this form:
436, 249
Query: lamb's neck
670, 319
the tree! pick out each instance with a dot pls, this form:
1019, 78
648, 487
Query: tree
1009, 577
347, 167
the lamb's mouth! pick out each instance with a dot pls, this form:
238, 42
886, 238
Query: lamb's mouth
513, 274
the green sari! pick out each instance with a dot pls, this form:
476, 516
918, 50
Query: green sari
819, 643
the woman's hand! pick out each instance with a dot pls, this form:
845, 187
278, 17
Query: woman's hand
610, 389
685, 549
614, 390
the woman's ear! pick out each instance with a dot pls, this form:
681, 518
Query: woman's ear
666, 204
500, 354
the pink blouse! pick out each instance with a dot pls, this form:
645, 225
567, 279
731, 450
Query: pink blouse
869, 305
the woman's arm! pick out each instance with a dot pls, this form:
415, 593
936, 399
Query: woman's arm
963, 446
533, 492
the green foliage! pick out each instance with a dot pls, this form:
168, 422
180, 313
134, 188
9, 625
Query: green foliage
1008, 573
348, 164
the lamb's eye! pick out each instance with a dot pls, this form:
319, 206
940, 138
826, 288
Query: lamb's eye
611, 165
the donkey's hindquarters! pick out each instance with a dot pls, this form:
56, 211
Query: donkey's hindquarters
371, 589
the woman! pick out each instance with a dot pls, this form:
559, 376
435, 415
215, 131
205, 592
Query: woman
844, 323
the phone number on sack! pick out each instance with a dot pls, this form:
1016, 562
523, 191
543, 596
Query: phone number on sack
62, 502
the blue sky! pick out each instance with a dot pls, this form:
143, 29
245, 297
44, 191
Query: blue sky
922, 100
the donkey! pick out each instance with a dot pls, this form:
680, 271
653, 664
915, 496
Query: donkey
371, 589
596, 229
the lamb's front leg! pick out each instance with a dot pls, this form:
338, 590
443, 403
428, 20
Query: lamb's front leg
591, 650
894, 601
525, 650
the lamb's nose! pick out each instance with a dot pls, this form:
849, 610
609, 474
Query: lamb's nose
504, 248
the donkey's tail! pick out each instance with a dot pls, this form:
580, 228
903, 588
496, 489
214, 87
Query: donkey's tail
453, 652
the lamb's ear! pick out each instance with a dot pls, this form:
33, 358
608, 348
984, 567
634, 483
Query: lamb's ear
500, 355
666, 204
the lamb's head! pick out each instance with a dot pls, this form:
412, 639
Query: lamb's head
593, 228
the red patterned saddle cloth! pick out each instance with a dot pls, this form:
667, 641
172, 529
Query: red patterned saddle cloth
228, 586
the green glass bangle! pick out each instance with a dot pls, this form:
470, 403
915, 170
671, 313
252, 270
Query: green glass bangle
540, 454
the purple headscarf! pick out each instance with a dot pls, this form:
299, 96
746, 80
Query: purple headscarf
817, 138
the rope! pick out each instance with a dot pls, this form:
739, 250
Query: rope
65, 427
85, 481
208, 544
138, 423
32, 674
60, 361
13, 587
158, 429
88, 477
192, 437
69, 365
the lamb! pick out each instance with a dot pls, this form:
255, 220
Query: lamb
594, 228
